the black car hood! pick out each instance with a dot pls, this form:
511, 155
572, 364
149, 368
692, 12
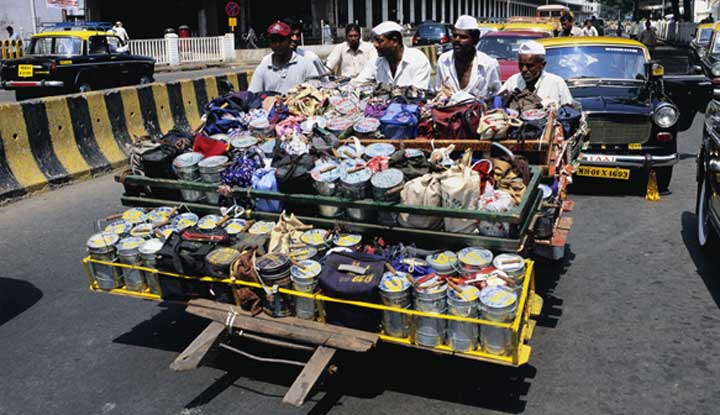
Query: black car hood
613, 99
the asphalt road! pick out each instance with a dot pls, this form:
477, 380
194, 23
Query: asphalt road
630, 325
9, 96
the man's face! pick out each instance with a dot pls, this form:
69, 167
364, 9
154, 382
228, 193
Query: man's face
353, 39
462, 41
280, 44
566, 25
385, 47
530, 67
294, 39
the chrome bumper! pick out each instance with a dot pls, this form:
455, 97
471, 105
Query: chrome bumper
32, 84
632, 161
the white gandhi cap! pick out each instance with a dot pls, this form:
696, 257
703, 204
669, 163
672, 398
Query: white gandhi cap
531, 48
466, 22
387, 27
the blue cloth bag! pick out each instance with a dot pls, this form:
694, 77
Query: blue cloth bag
264, 179
400, 121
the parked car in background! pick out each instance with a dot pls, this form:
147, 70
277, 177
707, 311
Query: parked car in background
432, 33
631, 111
74, 59
699, 46
707, 205
504, 46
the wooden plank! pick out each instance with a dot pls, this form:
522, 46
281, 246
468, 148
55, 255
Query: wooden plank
193, 355
308, 377
294, 321
324, 335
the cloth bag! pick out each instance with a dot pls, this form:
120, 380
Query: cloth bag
351, 285
421, 191
457, 121
494, 124
400, 121
286, 230
460, 189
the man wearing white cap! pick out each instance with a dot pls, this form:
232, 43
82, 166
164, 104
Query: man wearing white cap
465, 68
549, 87
395, 64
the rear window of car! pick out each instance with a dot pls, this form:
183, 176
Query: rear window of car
500, 47
432, 31
65, 46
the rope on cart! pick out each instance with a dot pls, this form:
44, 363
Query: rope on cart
320, 297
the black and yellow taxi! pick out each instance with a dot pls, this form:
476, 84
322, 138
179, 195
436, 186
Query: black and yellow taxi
699, 45
707, 205
634, 120
69, 59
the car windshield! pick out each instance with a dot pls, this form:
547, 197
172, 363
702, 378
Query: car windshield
65, 46
503, 47
603, 62
431, 31
716, 47
704, 35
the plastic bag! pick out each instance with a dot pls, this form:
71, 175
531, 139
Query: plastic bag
495, 201
264, 179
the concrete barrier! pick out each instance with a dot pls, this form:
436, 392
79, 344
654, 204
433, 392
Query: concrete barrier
54, 140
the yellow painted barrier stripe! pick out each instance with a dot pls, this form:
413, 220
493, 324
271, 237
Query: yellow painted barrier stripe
103, 130
233, 78
62, 137
17, 149
211, 88
162, 107
192, 111
133, 115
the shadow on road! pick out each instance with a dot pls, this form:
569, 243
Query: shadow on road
707, 265
16, 296
547, 277
598, 187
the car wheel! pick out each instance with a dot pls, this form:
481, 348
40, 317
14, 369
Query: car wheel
664, 176
145, 80
84, 87
706, 233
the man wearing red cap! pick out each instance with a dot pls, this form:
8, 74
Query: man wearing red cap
283, 68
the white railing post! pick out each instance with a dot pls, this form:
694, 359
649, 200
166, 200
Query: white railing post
171, 49
229, 49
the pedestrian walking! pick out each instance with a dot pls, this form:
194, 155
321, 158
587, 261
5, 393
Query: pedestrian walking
567, 23
648, 37
120, 32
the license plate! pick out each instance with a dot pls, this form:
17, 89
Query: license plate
604, 172
25, 71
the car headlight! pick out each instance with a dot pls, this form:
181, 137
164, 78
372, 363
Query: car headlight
715, 70
665, 116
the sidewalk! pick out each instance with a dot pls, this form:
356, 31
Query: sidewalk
198, 66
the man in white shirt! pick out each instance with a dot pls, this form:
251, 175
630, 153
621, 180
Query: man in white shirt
549, 87
589, 29
396, 64
296, 29
465, 68
349, 57
120, 32
283, 68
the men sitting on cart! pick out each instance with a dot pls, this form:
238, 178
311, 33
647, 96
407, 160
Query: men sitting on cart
283, 68
550, 88
465, 68
395, 64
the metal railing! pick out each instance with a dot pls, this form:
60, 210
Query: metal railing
172, 50
676, 32
201, 49
155, 48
